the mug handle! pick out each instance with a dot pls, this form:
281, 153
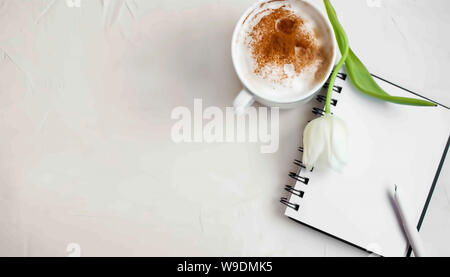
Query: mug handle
243, 101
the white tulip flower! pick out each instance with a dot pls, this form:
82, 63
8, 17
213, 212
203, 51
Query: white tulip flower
325, 142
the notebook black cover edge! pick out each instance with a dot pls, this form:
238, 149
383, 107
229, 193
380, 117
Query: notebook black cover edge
430, 193
441, 164
410, 91
332, 236
422, 217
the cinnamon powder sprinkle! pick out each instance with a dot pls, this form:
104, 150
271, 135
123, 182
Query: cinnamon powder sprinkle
280, 39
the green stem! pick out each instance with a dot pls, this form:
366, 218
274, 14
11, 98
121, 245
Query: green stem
342, 40
333, 80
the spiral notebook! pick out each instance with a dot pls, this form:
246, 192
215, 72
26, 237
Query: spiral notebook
390, 144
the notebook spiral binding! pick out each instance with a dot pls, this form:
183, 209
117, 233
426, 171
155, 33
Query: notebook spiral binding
318, 111
286, 202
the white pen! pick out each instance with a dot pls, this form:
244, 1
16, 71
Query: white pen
408, 225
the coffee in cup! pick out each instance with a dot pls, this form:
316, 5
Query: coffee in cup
283, 51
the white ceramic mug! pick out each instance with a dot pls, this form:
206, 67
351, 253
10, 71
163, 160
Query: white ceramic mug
250, 93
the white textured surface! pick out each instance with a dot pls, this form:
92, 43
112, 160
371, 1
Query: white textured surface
86, 156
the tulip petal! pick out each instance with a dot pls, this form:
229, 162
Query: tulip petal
314, 141
339, 140
328, 158
325, 142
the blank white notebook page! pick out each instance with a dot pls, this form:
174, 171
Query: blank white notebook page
390, 144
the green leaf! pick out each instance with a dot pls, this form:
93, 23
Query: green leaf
359, 74
364, 81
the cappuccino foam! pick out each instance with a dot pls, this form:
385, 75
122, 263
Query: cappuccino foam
285, 48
